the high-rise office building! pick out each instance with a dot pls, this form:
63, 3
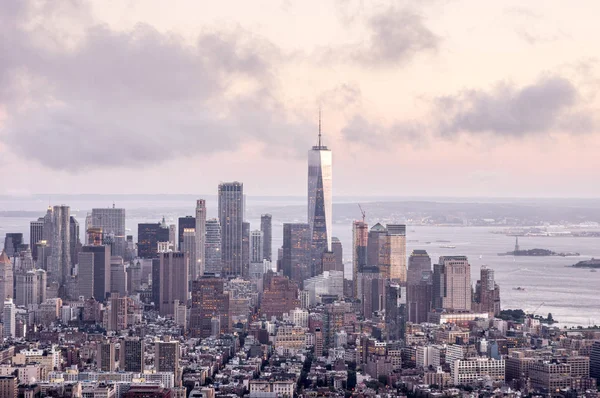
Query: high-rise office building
118, 276
75, 241
338, 253
132, 354
112, 222
296, 259
105, 356
419, 266
200, 256
452, 283
9, 318
174, 281
60, 261
6, 276
182, 224
320, 206
595, 360
360, 236
30, 287
419, 289
376, 245
395, 252
94, 265
166, 358
245, 248
212, 246
280, 296
256, 246
148, 237
231, 219
12, 242
266, 227
117, 316
487, 293
188, 246
209, 301
371, 291
36, 234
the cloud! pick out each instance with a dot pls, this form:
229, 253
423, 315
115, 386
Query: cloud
552, 104
110, 98
364, 133
396, 35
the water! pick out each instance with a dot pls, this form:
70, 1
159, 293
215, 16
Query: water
571, 295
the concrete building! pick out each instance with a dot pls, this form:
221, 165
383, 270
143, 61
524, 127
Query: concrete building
296, 259
469, 370
360, 238
188, 246
338, 253
6, 276
266, 227
256, 246
452, 284
199, 259
8, 319
95, 266
112, 222
60, 259
231, 219
213, 247
132, 354
174, 282
209, 301
118, 276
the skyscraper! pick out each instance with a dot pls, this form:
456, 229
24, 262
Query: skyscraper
8, 318
182, 224
212, 246
376, 244
6, 276
360, 235
174, 270
199, 258
148, 237
419, 263
30, 287
209, 301
266, 227
245, 248
36, 234
12, 241
395, 255
338, 252
132, 354
231, 219
112, 222
61, 246
296, 259
188, 246
256, 246
98, 266
319, 200
419, 287
118, 276
452, 276
75, 241
487, 293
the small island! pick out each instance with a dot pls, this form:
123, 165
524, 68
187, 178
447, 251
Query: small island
593, 263
536, 252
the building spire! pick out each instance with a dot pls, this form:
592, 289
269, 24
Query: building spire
319, 126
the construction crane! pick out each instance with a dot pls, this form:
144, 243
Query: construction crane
362, 212
537, 308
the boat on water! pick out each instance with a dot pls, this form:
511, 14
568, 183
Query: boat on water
519, 288
447, 247
593, 270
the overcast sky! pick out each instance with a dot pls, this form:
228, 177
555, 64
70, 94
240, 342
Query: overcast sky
443, 98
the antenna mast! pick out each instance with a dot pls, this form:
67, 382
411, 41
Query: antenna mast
319, 126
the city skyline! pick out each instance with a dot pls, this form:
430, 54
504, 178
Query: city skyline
441, 64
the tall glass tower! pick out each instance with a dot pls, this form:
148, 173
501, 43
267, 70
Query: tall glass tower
319, 200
